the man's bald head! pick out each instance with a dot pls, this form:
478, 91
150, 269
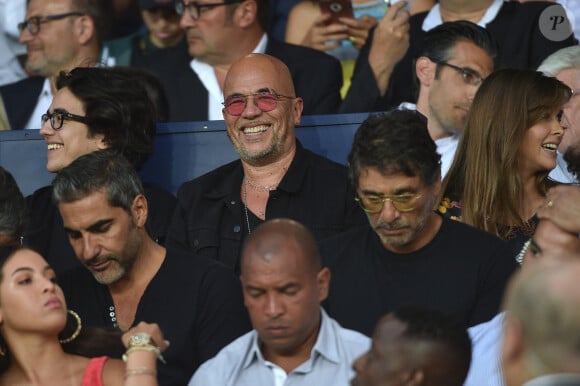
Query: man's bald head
541, 334
283, 285
274, 236
262, 68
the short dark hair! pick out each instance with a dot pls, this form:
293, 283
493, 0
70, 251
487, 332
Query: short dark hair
439, 41
12, 206
396, 142
95, 10
99, 171
122, 104
428, 325
572, 158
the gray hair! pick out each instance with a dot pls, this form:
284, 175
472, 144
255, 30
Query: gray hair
99, 171
562, 59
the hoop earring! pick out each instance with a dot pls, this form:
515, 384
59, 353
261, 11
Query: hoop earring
76, 332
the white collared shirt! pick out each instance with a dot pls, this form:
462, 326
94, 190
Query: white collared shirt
241, 363
206, 75
42, 105
433, 18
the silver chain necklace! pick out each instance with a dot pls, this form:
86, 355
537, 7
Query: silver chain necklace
246, 206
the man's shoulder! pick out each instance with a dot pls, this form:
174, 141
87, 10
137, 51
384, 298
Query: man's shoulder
210, 179
27, 84
529, 8
457, 229
226, 362
186, 264
41, 195
459, 239
352, 340
347, 237
514, 15
316, 161
416, 21
293, 55
341, 246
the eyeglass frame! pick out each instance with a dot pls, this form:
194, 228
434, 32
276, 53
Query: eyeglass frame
48, 116
246, 96
393, 199
181, 6
39, 20
465, 72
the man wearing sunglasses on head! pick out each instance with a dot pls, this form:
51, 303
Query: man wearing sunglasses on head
220, 32
275, 176
407, 254
59, 35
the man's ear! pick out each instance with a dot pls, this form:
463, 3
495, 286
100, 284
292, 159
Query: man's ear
415, 377
85, 29
513, 345
139, 209
246, 14
323, 280
101, 143
297, 106
425, 70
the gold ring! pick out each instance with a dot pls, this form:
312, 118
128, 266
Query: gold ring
550, 203
352, 39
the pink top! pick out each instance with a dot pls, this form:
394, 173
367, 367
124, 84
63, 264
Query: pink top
94, 372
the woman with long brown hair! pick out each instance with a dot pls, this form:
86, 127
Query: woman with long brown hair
499, 176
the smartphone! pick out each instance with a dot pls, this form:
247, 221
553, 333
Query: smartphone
336, 8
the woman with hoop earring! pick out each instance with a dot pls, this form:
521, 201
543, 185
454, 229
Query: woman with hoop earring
41, 342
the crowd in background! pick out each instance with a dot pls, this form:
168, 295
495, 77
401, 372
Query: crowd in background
284, 267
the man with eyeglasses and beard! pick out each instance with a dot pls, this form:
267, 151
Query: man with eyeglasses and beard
275, 176
408, 254
59, 35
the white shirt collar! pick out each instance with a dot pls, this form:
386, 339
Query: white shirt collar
207, 77
433, 18
42, 105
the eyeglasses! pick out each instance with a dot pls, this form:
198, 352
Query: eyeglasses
265, 101
33, 23
195, 10
57, 118
401, 202
469, 76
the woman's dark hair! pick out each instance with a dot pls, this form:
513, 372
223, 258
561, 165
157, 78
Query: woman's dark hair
91, 342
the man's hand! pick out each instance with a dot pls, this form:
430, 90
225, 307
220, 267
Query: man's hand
325, 37
390, 43
562, 207
358, 29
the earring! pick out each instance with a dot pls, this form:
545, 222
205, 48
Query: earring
76, 332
